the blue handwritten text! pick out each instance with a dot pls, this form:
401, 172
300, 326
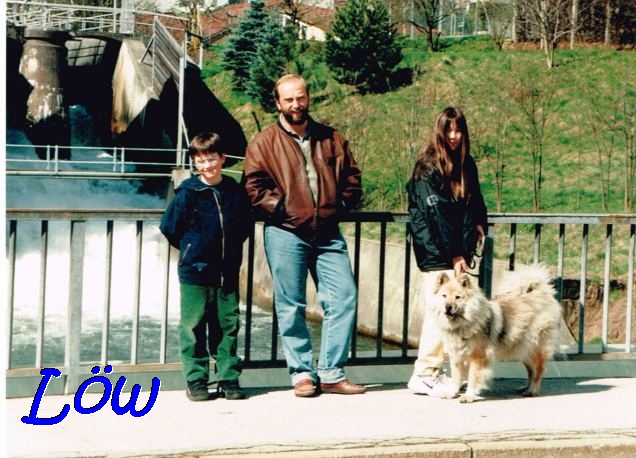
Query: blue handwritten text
48, 373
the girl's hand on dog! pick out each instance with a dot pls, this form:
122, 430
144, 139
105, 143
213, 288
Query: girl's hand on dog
459, 265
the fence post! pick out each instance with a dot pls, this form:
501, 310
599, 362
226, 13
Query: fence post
73, 341
11, 256
630, 289
486, 265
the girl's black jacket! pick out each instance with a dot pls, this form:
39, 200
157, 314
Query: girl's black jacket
440, 227
208, 224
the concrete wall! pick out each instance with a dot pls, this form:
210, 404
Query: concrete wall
132, 86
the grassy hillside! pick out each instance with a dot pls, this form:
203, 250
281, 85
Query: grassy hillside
575, 112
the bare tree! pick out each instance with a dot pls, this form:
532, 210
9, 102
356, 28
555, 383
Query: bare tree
491, 100
608, 23
295, 11
549, 21
401, 14
626, 125
574, 21
500, 16
427, 17
194, 23
194, 11
536, 97
499, 108
604, 139
613, 126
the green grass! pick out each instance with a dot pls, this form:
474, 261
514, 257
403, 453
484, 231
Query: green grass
582, 93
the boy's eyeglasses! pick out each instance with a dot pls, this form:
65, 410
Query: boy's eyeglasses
207, 160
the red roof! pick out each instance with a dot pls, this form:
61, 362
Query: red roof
228, 15
222, 20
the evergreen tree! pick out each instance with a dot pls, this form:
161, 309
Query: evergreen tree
275, 56
362, 50
241, 52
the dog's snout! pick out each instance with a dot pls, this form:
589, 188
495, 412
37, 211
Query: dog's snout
449, 308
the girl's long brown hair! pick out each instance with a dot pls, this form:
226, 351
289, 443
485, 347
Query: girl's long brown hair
438, 156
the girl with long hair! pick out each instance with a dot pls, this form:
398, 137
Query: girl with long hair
448, 219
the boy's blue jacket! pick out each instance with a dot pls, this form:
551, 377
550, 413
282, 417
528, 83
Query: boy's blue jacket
208, 224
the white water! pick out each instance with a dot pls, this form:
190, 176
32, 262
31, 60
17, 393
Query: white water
70, 193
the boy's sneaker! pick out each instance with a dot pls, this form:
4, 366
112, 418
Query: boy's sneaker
230, 389
437, 384
197, 390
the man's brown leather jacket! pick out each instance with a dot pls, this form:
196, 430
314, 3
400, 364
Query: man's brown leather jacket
277, 184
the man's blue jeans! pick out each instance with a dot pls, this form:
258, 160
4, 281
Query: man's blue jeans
290, 260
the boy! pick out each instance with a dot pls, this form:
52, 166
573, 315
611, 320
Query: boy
208, 220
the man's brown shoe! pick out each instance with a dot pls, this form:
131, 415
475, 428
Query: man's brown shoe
342, 387
305, 388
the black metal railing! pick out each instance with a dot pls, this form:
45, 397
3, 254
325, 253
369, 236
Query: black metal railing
89, 287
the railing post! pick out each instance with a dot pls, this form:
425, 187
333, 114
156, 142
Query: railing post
630, 289
583, 287
356, 278
108, 275
114, 158
76, 277
39, 339
123, 160
163, 339
137, 293
249, 294
11, 254
560, 260
381, 271
486, 265
537, 242
407, 290
512, 246
606, 286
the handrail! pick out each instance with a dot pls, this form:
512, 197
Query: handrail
99, 162
25, 13
381, 263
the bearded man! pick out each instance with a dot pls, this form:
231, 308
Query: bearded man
303, 177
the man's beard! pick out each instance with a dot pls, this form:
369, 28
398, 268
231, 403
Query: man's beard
301, 118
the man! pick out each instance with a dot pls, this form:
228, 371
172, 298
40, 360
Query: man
303, 177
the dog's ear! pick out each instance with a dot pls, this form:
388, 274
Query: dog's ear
441, 279
465, 281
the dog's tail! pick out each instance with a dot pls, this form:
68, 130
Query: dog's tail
536, 282
527, 279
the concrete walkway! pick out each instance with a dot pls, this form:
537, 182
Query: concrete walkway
574, 417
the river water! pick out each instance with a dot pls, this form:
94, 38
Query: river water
120, 337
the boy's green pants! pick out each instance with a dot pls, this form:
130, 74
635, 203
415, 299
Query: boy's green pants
209, 327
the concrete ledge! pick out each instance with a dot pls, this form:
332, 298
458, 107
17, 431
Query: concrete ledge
171, 378
585, 447
589, 446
